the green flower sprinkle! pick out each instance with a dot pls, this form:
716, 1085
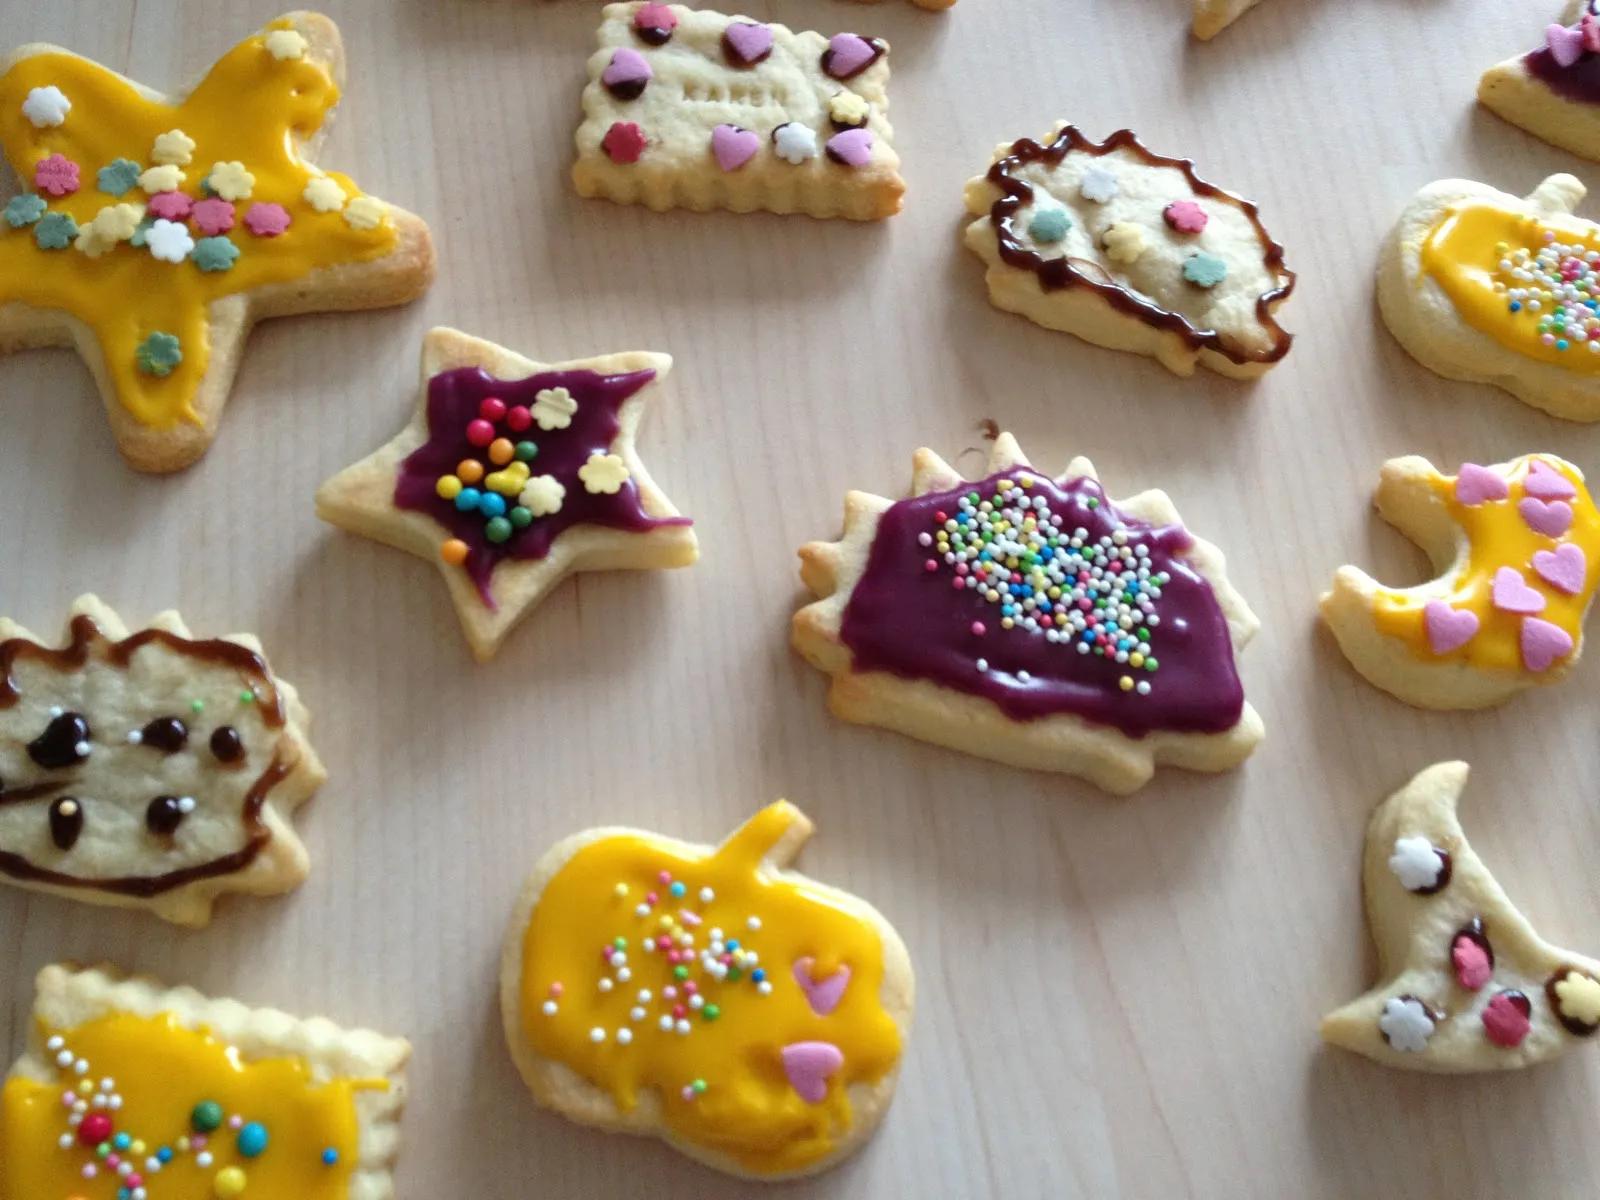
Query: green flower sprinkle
158, 354
1049, 225
55, 231
141, 233
1205, 270
118, 178
215, 254
24, 210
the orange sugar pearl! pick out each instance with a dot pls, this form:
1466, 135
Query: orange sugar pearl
500, 451
454, 552
469, 470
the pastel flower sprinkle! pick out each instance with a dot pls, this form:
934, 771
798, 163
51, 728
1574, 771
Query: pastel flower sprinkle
1185, 216
159, 354
231, 181
624, 142
603, 474
324, 194
1098, 185
173, 148
24, 210
215, 254
169, 241
56, 175
118, 178
46, 107
365, 212
171, 206
1205, 270
213, 216
1406, 1024
1049, 225
267, 220
55, 231
156, 180
286, 45
1124, 242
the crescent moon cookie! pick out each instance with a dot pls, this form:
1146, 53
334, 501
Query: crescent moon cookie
1515, 546
1468, 985
149, 769
691, 109
132, 1091
1130, 250
1480, 286
514, 474
1554, 91
1211, 17
1032, 621
157, 230
748, 1016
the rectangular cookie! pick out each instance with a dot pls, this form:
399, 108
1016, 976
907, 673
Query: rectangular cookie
694, 109
171, 1093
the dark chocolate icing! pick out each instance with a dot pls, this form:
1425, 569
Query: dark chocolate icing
61, 744
909, 621
167, 734
66, 822
1061, 272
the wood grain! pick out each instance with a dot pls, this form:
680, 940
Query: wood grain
1118, 998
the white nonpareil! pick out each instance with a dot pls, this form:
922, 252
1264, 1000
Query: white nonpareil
1406, 1023
1415, 863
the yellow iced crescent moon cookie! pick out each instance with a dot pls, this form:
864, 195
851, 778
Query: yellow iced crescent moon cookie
132, 1091
154, 231
148, 768
749, 1016
1130, 250
1211, 17
1481, 286
1517, 548
1468, 985
1553, 91
514, 474
689, 108
1033, 621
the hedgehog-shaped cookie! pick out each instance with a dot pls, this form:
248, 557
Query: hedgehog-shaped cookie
148, 769
1130, 250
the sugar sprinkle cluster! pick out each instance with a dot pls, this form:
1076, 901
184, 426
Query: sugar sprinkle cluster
1558, 283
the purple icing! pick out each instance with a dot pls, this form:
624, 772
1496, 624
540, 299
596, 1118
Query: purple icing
911, 621
1579, 82
454, 399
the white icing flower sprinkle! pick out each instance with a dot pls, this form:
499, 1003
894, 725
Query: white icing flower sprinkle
46, 107
794, 142
1415, 863
1098, 185
169, 241
1406, 1023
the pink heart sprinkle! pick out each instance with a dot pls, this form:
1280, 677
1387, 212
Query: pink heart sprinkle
1512, 594
1479, 485
1506, 1019
1472, 964
1549, 517
733, 146
213, 216
1543, 643
848, 54
852, 147
1547, 483
267, 220
655, 16
1564, 568
1566, 45
822, 994
627, 70
1448, 628
809, 1065
750, 43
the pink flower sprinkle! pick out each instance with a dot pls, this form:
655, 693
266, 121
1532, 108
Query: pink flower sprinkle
213, 216
56, 175
1185, 216
267, 220
171, 206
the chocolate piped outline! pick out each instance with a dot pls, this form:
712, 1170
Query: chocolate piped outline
1057, 273
86, 636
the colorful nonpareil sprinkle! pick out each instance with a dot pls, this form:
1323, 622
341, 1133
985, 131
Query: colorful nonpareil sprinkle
1557, 284
1096, 596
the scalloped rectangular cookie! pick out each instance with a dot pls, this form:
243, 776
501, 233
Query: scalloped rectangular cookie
694, 109
173, 1093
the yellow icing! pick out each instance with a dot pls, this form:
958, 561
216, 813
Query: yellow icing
249, 110
1463, 252
747, 1111
1498, 537
162, 1071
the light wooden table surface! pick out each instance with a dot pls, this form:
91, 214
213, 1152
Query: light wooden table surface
1117, 998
